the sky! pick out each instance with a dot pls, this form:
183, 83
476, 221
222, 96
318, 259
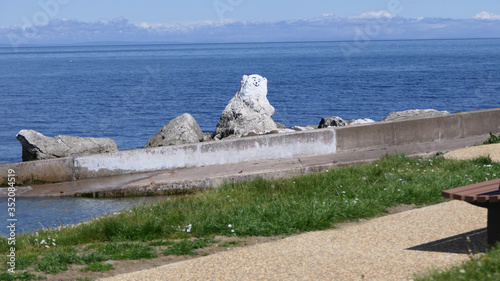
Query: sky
78, 21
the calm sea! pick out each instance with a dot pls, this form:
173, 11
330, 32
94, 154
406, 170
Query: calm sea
128, 93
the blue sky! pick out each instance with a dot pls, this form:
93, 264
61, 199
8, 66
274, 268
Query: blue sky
77, 21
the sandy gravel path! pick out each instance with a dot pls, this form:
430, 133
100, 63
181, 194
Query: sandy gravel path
392, 247
493, 150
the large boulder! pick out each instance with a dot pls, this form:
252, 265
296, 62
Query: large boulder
36, 146
249, 110
333, 121
414, 114
181, 130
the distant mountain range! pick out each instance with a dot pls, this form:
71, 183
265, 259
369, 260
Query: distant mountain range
368, 26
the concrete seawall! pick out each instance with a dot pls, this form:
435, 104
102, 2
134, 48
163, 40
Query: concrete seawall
316, 142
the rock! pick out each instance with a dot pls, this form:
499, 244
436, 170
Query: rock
282, 131
301, 128
414, 114
39, 147
207, 137
280, 126
333, 121
180, 130
360, 121
249, 110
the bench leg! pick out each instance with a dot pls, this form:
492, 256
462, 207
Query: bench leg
493, 225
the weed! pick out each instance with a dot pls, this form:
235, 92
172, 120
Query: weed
98, 267
187, 247
123, 251
161, 243
57, 261
25, 261
19, 276
492, 139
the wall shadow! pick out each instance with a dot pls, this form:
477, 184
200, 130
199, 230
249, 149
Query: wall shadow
457, 244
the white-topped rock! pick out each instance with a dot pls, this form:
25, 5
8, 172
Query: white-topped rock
249, 110
360, 121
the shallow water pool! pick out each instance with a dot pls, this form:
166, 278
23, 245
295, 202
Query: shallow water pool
36, 213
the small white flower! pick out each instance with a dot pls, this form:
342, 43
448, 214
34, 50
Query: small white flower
43, 242
229, 225
462, 271
232, 230
47, 246
54, 244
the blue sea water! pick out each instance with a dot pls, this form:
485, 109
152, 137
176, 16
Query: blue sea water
128, 93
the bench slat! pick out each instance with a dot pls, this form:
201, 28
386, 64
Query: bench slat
474, 186
488, 191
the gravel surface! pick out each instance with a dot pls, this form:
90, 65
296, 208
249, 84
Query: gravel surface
393, 247
493, 150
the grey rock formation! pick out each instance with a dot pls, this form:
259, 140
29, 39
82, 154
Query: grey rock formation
181, 130
333, 121
414, 114
36, 146
249, 110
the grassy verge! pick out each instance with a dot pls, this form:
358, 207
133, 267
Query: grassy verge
257, 208
481, 268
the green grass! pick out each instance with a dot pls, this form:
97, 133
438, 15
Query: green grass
258, 208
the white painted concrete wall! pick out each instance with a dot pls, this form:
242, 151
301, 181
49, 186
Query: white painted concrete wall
209, 153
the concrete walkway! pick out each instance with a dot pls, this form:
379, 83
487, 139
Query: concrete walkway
394, 247
163, 182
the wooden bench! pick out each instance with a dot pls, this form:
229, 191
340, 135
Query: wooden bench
484, 194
